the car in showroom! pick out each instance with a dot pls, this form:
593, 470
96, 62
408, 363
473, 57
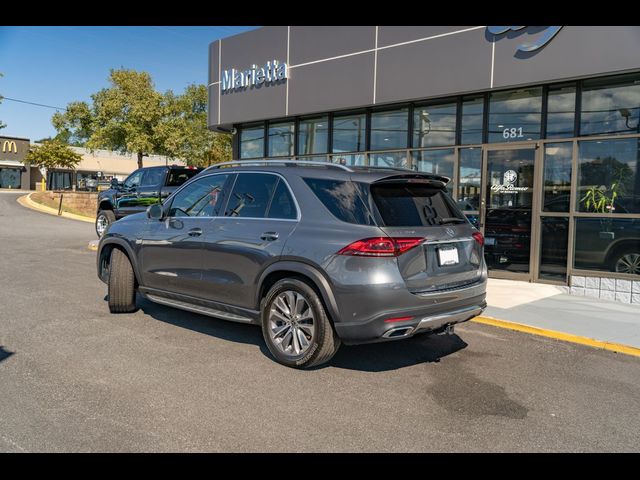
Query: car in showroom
317, 254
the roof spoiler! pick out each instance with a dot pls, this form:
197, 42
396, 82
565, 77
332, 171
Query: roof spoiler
418, 176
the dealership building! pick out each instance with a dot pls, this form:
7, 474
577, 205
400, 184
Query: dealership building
537, 127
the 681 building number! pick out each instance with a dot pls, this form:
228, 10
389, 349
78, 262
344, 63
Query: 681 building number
512, 133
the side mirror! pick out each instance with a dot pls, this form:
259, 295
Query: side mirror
155, 211
115, 183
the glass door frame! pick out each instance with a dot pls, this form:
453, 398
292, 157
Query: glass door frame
532, 275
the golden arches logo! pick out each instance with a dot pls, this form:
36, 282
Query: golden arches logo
9, 145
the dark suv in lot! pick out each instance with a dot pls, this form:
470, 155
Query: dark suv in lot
317, 254
142, 188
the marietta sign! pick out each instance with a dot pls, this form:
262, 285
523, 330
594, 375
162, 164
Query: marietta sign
272, 71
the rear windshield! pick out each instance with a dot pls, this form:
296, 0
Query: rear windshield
341, 199
403, 204
177, 176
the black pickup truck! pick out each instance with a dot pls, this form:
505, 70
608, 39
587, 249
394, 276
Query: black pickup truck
142, 188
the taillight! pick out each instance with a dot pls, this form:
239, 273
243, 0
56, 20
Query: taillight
478, 237
381, 246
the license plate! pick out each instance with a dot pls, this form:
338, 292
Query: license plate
489, 241
448, 256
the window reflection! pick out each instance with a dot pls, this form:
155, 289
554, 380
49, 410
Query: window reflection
313, 135
471, 124
388, 159
439, 162
349, 133
557, 177
610, 107
434, 125
281, 139
469, 177
349, 159
252, 142
389, 129
554, 235
515, 115
561, 108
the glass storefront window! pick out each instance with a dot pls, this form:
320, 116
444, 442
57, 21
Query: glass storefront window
610, 106
59, 180
469, 176
609, 176
313, 135
280, 139
388, 159
314, 158
252, 142
434, 126
439, 162
349, 133
389, 129
608, 245
10, 177
515, 115
86, 181
357, 159
561, 107
556, 193
554, 238
471, 124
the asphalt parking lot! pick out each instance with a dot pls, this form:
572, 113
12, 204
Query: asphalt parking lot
75, 378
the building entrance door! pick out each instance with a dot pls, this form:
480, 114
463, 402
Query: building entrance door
507, 209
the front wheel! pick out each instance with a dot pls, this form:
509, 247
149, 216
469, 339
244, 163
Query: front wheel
627, 262
103, 220
295, 325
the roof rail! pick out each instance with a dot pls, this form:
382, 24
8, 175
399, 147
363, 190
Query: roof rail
281, 162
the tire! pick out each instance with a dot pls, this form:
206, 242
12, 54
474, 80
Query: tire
122, 283
626, 261
322, 342
105, 216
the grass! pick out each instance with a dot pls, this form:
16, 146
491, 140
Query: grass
52, 200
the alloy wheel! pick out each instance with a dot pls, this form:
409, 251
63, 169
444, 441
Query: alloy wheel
101, 224
629, 263
291, 323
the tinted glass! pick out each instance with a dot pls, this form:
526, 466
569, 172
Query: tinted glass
341, 199
439, 162
554, 237
405, 204
202, 198
282, 205
608, 245
177, 176
251, 195
610, 106
557, 177
471, 125
515, 115
153, 177
349, 133
561, 108
281, 139
313, 136
469, 178
134, 179
389, 129
434, 125
252, 142
608, 176
388, 159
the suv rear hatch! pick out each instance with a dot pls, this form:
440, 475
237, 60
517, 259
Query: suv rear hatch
419, 206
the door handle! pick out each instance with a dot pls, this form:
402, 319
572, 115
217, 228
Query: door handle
269, 236
195, 232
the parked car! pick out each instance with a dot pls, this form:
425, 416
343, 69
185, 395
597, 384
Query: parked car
142, 188
317, 254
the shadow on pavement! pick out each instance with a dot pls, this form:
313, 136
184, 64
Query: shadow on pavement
4, 354
376, 357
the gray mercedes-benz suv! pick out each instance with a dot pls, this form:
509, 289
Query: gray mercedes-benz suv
316, 253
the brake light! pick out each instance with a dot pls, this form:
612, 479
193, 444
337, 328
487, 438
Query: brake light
478, 238
381, 246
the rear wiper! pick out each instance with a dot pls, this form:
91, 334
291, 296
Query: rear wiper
444, 221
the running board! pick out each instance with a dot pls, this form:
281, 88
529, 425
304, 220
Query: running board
212, 312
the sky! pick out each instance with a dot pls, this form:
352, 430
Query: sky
57, 65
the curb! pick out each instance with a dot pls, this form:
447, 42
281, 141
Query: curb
566, 337
26, 201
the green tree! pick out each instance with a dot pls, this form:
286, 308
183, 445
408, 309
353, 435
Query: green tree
2, 125
122, 117
183, 129
52, 154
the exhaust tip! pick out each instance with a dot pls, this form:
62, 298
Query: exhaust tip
398, 332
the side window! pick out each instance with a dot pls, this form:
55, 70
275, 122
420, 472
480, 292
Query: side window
201, 198
153, 177
342, 199
250, 195
282, 205
134, 179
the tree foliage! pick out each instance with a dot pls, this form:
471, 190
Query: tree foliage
131, 116
52, 154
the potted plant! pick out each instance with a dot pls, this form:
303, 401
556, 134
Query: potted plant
601, 199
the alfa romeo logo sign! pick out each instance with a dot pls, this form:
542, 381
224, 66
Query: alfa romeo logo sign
508, 185
510, 177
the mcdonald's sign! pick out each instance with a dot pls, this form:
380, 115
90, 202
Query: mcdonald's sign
8, 146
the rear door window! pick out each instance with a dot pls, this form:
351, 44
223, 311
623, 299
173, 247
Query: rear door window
341, 199
282, 205
251, 195
404, 204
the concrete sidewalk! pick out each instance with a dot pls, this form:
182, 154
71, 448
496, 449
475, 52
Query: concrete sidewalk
548, 307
